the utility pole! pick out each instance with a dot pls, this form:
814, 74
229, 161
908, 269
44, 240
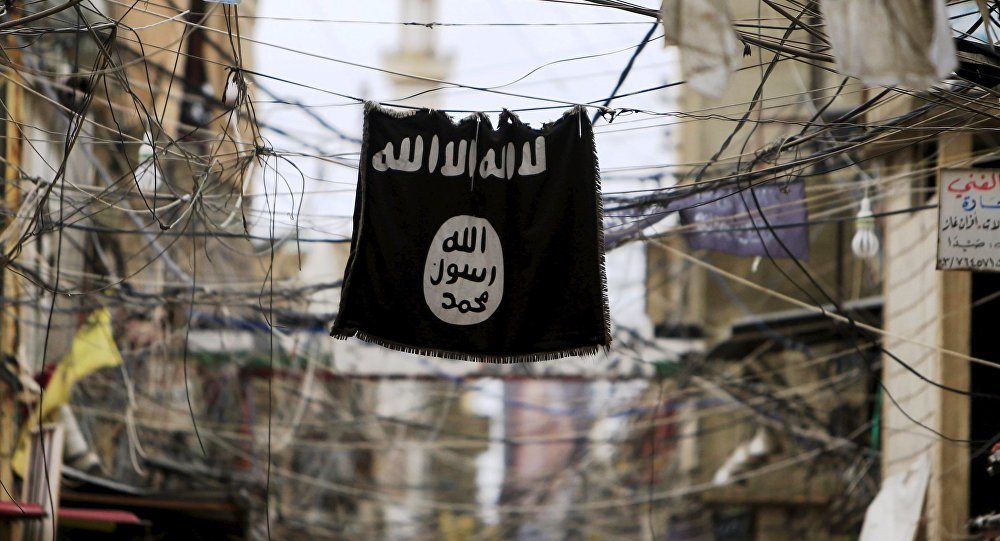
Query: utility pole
11, 196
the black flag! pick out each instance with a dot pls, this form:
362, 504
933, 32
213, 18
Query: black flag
474, 242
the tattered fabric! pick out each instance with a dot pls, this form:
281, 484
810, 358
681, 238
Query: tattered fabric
768, 220
891, 42
477, 243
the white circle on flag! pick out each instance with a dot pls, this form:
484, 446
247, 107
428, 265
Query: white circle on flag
463, 274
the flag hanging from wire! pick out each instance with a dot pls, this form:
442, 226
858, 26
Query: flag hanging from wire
768, 220
474, 242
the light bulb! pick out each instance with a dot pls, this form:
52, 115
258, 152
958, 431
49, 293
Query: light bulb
147, 174
865, 243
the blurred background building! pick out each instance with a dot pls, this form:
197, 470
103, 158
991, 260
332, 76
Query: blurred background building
190, 166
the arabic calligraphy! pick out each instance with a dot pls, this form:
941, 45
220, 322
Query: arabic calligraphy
463, 274
962, 185
451, 243
386, 159
956, 242
454, 274
968, 223
458, 158
465, 306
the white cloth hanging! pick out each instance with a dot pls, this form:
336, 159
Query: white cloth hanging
708, 44
904, 43
895, 512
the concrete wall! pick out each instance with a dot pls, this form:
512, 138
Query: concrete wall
926, 308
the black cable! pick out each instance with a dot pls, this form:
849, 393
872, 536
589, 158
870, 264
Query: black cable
39, 15
627, 69
187, 340
74, 126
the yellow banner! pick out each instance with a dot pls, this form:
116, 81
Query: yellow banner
93, 348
